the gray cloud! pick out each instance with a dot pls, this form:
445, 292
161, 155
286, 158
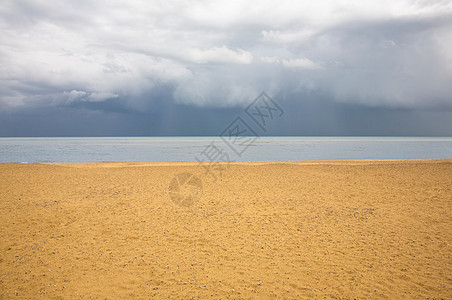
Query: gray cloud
143, 57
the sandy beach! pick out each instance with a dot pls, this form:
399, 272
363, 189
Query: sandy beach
313, 229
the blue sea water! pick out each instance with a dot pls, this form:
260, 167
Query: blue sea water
162, 149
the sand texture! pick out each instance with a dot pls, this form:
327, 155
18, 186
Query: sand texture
266, 230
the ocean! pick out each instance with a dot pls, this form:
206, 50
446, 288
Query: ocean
163, 149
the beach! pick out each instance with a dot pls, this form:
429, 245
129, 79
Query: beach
306, 229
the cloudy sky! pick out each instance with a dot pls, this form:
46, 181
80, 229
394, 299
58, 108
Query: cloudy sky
94, 68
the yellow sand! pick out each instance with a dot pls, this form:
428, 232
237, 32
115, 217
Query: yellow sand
355, 229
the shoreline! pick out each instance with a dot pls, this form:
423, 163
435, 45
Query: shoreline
249, 162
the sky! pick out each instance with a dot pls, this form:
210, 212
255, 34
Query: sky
175, 68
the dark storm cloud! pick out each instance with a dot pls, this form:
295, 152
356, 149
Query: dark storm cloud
177, 67
313, 116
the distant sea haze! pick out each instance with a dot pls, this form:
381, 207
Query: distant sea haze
167, 149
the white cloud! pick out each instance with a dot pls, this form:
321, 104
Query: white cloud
221, 55
102, 96
371, 52
287, 36
74, 95
270, 59
292, 63
302, 63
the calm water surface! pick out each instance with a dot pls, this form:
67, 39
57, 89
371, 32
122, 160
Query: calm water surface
140, 149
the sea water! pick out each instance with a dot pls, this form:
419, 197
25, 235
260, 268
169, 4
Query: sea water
162, 149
